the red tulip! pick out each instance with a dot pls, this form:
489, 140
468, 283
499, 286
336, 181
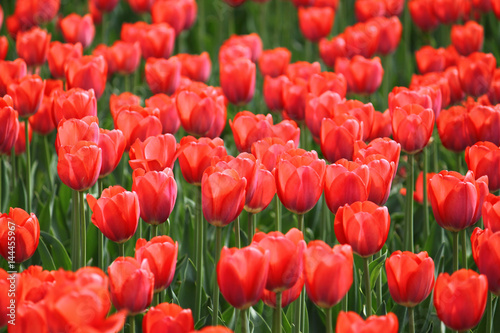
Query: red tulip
41, 122
364, 226
381, 126
486, 122
169, 117
9, 128
105, 5
252, 41
285, 258
269, 149
327, 81
141, 6
154, 154
430, 59
87, 72
390, 30
157, 41
367, 9
137, 122
456, 129
248, 128
362, 112
328, 272
330, 50
319, 108
287, 130
112, 144
223, 195
460, 299
126, 98
74, 103
242, 275
11, 71
337, 136
456, 92
274, 62
261, 190
304, 173
361, 39
362, 75
162, 75
19, 235
78, 29
403, 269
422, 14
491, 212
351, 322
20, 145
33, 45
412, 126
196, 67
78, 166
455, 10
288, 296
27, 94
483, 158
171, 12
157, 192
70, 132
167, 317
380, 147
4, 47
126, 274
161, 254
468, 38
486, 254
124, 57
115, 213
196, 155
476, 73
316, 22
294, 99
237, 79
59, 54
457, 200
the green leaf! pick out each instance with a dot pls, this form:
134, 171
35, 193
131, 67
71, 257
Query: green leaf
258, 323
60, 256
375, 267
47, 261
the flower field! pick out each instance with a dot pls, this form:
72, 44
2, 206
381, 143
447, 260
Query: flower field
244, 166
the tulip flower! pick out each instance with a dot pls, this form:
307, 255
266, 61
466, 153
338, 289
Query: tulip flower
491, 212
485, 120
268, 150
137, 122
337, 136
168, 317
87, 72
237, 79
327, 81
124, 99
153, 154
252, 41
412, 126
4, 47
422, 14
260, 192
162, 75
468, 38
363, 75
78, 29
390, 30
476, 73
157, 192
9, 128
248, 128
157, 41
79, 166
362, 112
287, 297
33, 45
483, 158
112, 144
74, 103
319, 108
368, 9
105, 5
19, 235
124, 57
401, 96
72, 131
460, 299
274, 62
316, 22
11, 72
456, 128
41, 122
273, 92
330, 50
115, 213
381, 126
196, 67
487, 256
161, 255
361, 39
140, 6
27, 94
169, 117
126, 274
351, 322
377, 149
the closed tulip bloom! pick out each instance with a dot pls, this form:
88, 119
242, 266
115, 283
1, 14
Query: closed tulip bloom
228, 53
242, 275
364, 226
223, 195
196, 67
137, 122
237, 79
79, 166
381, 126
430, 59
460, 299
287, 130
115, 213
125, 57
304, 173
141, 6
11, 71
403, 270
363, 75
4, 47
468, 38
476, 73
157, 41
153, 154
157, 192
33, 46
27, 94
337, 137
483, 158
162, 75
9, 129
202, 112
274, 62
169, 117
74, 103
385, 147
252, 41
294, 99
345, 183
273, 92
20, 145
70, 132
161, 254
248, 128
87, 72
362, 112
487, 257
486, 122
126, 274
412, 126
456, 128
105, 5
319, 108
167, 317
126, 98
171, 12
41, 122
78, 29
368, 9
390, 34
26, 235
316, 22
112, 144
491, 212
456, 199
351, 322
327, 81
422, 14
195, 155
361, 39
261, 191
59, 54
330, 50
269, 149
302, 70
285, 257
328, 272
288, 296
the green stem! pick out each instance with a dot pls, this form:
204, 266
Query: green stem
459, 162
132, 324
409, 204
277, 314
464, 248
368, 291
277, 209
47, 161
218, 245
489, 313
411, 319
303, 135
386, 63
455, 251
14, 167
300, 222
104, 28
299, 304
237, 232
344, 303
427, 231
244, 321
28, 165
436, 153
326, 221
83, 230
378, 286
156, 298
329, 324
121, 249
127, 82
75, 238
251, 227
199, 254
154, 230
100, 236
